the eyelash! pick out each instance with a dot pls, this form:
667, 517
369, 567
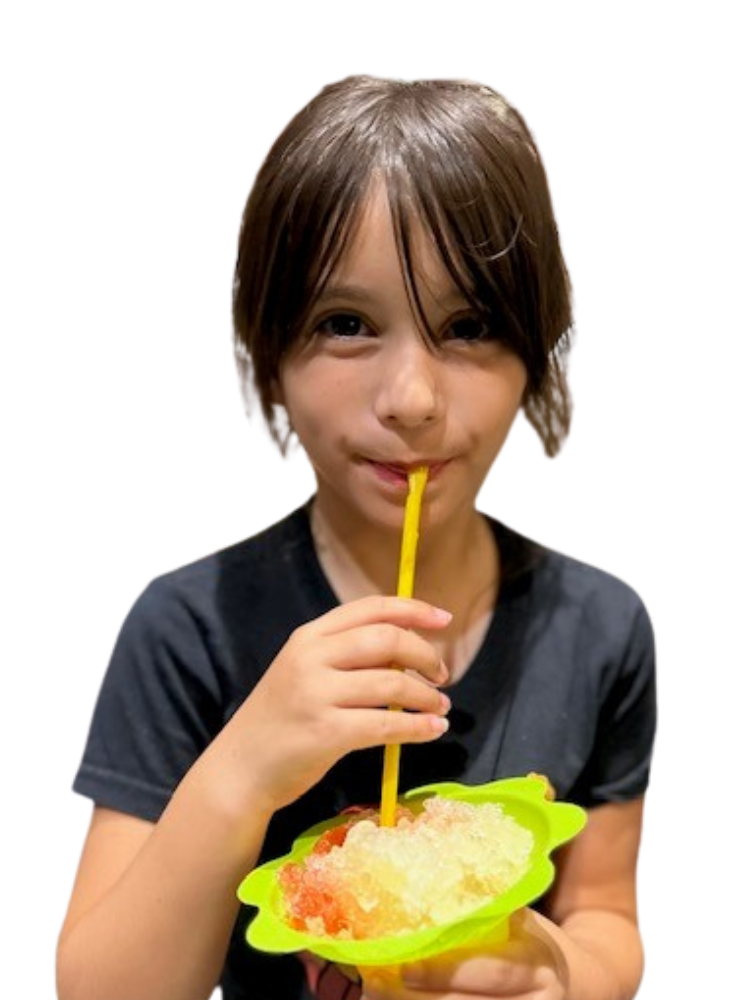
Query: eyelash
339, 316
362, 328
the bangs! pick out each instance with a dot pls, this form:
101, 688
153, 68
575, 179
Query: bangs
461, 248
297, 225
474, 202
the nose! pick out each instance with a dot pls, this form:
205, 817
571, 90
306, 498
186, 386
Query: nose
409, 392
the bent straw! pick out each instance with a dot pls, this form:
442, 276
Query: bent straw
407, 563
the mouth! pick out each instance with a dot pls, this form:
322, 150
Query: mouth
397, 473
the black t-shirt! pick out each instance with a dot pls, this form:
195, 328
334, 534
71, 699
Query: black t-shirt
563, 684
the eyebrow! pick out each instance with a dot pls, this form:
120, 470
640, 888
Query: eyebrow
452, 297
355, 293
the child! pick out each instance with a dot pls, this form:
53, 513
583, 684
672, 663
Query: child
400, 294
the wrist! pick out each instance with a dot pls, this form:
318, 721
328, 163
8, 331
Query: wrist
229, 795
587, 977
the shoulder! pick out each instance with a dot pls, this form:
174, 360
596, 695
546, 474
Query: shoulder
597, 603
237, 604
528, 564
251, 565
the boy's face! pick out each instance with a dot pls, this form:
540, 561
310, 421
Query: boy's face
369, 399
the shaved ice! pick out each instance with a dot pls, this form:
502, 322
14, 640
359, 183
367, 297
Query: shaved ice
362, 880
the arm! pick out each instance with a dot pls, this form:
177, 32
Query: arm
594, 904
154, 904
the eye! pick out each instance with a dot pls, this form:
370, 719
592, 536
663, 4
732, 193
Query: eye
467, 328
343, 326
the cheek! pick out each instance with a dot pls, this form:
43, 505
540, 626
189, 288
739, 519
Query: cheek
323, 400
499, 400
304, 418
289, 392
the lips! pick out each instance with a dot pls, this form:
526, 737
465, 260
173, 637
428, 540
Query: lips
405, 468
399, 471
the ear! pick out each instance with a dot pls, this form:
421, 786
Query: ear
549, 413
264, 406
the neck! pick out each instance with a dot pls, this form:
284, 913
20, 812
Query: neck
456, 560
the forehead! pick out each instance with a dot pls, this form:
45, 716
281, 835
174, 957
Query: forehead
377, 253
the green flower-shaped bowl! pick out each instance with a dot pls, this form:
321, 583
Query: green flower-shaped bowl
551, 824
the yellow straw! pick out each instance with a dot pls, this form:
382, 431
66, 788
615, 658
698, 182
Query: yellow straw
407, 563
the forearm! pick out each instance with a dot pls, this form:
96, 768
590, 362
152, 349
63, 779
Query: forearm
161, 931
603, 953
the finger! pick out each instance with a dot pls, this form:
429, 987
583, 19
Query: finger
496, 975
389, 688
383, 984
385, 645
404, 611
377, 688
370, 727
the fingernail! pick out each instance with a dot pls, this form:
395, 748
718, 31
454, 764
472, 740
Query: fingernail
441, 614
439, 724
445, 702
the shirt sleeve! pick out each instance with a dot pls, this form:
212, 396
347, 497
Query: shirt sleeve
158, 708
619, 766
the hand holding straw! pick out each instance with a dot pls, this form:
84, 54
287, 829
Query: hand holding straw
407, 563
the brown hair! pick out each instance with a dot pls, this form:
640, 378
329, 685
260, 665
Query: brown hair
457, 159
